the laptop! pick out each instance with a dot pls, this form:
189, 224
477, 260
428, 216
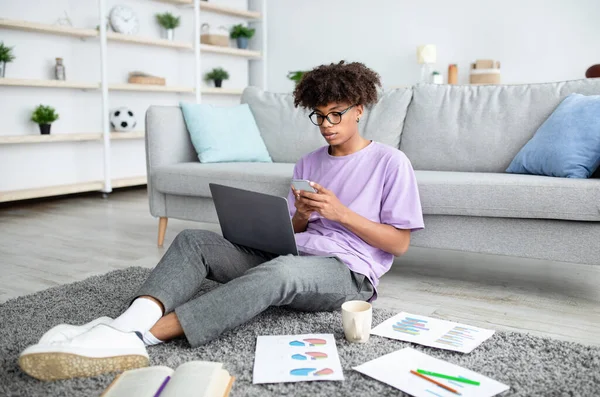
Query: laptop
254, 220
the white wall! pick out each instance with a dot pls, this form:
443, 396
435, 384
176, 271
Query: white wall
535, 40
25, 166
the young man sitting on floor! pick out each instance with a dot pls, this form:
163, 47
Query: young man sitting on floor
361, 216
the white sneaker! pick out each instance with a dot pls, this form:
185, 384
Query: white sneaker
100, 350
63, 332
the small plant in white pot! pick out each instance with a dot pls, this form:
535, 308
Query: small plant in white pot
169, 22
217, 75
6, 56
44, 116
242, 34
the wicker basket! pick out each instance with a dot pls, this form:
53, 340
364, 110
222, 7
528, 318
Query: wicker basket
485, 71
484, 76
215, 39
211, 38
149, 80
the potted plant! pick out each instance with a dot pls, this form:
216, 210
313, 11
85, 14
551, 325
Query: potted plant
44, 116
242, 33
169, 22
6, 56
217, 75
296, 76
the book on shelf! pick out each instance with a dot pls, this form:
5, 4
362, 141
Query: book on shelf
194, 378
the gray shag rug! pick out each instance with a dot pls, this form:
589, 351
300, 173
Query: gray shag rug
532, 366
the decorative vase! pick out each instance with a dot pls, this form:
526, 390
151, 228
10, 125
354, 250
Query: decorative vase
218, 83
45, 129
59, 70
2, 68
453, 74
168, 34
242, 42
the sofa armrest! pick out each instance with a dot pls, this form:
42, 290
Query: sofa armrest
167, 137
167, 142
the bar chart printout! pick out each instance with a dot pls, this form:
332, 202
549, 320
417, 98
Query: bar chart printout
411, 326
458, 336
432, 332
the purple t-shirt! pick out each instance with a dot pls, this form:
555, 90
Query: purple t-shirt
377, 182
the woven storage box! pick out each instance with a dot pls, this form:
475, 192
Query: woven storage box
485, 71
150, 80
484, 76
212, 36
214, 39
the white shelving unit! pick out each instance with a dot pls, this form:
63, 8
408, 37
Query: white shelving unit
116, 87
211, 7
76, 137
48, 84
150, 88
217, 9
49, 191
103, 38
45, 28
230, 51
125, 38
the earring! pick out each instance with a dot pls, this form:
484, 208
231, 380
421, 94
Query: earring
358, 119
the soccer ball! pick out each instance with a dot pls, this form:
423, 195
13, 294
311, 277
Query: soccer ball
122, 119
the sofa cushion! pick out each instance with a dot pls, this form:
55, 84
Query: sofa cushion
567, 144
289, 134
479, 128
385, 119
224, 134
192, 179
442, 193
508, 195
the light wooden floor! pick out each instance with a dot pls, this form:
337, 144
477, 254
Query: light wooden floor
59, 241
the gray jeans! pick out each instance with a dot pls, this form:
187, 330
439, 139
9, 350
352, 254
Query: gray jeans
252, 281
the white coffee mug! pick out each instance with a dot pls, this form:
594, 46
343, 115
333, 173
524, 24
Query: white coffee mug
356, 320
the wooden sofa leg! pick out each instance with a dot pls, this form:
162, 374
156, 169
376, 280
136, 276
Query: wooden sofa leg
162, 228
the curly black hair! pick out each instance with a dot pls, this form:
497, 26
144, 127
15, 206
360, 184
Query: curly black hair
353, 83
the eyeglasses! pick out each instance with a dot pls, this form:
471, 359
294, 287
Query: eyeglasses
332, 117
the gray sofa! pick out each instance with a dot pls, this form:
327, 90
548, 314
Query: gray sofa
460, 139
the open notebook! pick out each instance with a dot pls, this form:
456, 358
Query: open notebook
195, 378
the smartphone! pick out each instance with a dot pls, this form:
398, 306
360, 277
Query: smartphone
303, 184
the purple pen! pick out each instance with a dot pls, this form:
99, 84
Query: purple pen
162, 387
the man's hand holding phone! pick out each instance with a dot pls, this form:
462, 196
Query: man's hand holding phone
303, 210
321, 200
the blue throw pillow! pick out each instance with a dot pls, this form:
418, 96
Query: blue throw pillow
567, 144
224, 134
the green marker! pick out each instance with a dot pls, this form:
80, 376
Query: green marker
463, 380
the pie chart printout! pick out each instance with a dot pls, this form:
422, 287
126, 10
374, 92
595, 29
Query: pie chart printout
311, 372
296, 358
309, 342
310, 356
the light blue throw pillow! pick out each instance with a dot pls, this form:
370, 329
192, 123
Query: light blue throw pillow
224, 134
567, 144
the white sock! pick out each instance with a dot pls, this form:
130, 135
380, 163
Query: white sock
151, 340
140, 316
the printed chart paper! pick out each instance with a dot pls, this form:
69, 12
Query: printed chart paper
394, 369
432, 332
296, 358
